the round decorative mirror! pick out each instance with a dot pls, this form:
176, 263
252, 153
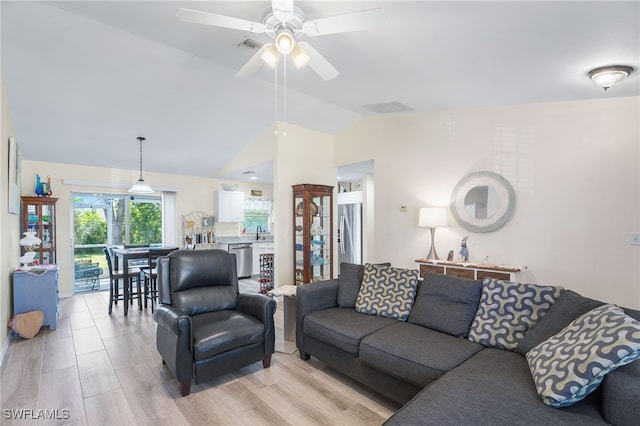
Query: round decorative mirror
483, 202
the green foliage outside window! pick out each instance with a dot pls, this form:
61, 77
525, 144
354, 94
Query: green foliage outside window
90, 227
145, 223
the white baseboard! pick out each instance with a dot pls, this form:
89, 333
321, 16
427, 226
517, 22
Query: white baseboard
5, 346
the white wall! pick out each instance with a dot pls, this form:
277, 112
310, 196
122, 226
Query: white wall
575, 167
302, 156
9, 223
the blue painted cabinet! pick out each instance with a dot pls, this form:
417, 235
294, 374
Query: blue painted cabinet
33, 291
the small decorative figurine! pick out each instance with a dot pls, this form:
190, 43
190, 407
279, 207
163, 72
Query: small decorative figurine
464, 251
450, 256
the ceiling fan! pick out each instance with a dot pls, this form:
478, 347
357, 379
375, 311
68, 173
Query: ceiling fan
286, 24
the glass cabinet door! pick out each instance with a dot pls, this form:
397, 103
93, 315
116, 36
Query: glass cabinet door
39, 216
313, 243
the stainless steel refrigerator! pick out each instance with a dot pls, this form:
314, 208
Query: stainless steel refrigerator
349, 228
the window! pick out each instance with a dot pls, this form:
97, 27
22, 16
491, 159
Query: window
257, 212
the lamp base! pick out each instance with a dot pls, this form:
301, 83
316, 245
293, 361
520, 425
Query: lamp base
432, 251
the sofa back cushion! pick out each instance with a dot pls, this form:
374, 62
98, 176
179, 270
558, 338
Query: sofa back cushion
387, 291
350, 278
569, 306
446, 303
507, 310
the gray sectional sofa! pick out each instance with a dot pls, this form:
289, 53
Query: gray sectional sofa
444, 366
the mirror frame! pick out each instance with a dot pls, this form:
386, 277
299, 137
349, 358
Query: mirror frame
505, 192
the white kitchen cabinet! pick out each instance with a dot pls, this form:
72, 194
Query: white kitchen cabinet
229, 206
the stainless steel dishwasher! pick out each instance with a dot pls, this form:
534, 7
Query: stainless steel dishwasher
244, 258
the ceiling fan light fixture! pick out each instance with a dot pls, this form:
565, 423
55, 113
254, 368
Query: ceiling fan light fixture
606, 77
299, 56
271, 56
140, 187
285, 41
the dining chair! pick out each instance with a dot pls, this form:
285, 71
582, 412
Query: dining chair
114, 284
151, 275
140, 263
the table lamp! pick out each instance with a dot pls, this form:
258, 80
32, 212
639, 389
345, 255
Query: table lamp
29, 242
432, 218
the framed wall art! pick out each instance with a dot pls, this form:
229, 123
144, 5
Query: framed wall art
14, 177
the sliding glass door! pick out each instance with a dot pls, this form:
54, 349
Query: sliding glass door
100, 221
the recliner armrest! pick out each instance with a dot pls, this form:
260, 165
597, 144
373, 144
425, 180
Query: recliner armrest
258, 306
173, 319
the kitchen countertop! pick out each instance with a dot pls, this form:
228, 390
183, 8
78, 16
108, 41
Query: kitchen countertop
247, 238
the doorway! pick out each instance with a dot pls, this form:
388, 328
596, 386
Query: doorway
104, 220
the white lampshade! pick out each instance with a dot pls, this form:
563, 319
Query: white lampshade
284, 41
30, 240
433, 217
299, 56
140, 187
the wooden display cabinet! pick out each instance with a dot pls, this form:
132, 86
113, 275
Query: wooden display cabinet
39, 215
313, 233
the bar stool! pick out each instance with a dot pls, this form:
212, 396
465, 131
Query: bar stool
114, 284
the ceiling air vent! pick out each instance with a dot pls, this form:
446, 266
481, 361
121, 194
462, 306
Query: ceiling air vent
388, 107
249, 43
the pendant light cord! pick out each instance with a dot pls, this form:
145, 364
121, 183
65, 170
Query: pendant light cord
140, 138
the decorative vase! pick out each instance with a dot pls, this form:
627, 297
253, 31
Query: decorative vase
38, 186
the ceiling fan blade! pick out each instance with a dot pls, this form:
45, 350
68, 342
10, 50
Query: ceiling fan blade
355, 21
206, 18
254, 63
319, 64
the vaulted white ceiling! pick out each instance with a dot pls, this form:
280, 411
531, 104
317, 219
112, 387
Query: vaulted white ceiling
85, 78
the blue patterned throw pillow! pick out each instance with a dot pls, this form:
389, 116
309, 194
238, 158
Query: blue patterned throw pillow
387, 291
507, 310
571, 364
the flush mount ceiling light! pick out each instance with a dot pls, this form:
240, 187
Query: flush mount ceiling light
606, 77
140, 187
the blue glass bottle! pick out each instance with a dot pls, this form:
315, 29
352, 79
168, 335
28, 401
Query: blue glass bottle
38, 186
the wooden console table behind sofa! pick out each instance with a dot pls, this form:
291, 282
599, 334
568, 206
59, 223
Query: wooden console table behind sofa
474, 271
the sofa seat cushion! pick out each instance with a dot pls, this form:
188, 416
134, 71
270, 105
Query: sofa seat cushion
221, 331
343, 328
414, 353
494, 387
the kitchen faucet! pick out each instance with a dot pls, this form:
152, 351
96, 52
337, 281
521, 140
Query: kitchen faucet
258, 230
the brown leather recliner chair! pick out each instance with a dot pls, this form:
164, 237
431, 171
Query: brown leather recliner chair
205, 327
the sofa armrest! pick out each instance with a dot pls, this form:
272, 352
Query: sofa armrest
620, 393
314, 297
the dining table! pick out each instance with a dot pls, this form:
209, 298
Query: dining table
125, 255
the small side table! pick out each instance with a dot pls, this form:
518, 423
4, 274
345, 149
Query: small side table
288, 345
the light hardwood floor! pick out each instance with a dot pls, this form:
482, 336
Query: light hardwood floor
97, 369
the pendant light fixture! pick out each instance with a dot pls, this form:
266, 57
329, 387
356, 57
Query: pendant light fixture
140, 187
